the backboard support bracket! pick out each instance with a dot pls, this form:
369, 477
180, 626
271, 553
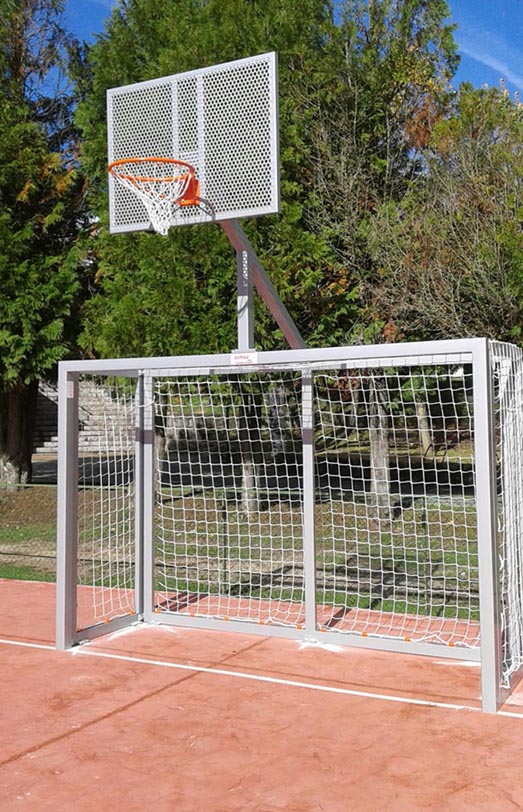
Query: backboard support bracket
250, 272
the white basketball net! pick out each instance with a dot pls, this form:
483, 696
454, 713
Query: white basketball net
160, 185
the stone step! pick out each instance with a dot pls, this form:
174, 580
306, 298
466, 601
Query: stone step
100, 417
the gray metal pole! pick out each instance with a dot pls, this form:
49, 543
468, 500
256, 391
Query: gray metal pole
67, 511
263, 284
485, 466
309, 500
148, 435
245, 305
138, 494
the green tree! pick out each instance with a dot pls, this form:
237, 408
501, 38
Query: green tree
381, 87
450, 254
358, 98
38, 201
177, 294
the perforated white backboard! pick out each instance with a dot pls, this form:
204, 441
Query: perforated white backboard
223, 120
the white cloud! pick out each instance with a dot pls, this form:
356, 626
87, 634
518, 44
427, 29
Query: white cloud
489, 60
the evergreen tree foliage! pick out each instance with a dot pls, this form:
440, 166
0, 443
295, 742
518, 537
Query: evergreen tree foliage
38, 200
383, 84
178, 294
450, 253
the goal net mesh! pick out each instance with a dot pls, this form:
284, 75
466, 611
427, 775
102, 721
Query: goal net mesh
508, 398
106, 500
395, 519
228, 522
397, 552
394, 498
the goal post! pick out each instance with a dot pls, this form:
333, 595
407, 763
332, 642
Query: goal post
507, 385
67, 531
487, 527
100, 504
295, 493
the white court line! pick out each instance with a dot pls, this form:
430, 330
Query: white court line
201, 669
27, 645
291, 683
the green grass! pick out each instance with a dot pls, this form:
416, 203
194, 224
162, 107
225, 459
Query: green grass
424, 561
26, 534
22, 573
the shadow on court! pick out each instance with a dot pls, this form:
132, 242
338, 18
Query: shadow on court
339, 476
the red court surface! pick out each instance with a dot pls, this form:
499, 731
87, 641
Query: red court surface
164, 719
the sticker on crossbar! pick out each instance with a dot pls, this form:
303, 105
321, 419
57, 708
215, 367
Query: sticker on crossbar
238, 358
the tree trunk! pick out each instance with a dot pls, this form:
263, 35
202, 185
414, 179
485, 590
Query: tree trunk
249, 499
17, 413
379, 456
276, 407
249, 445
424, 432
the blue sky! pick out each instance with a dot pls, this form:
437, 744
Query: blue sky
489, 35
86, 18
490, 38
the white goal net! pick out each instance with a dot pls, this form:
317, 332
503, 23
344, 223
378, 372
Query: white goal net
508, 392
228, 528
395, 520
348, 495
106, 552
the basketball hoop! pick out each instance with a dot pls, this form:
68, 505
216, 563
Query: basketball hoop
164, 186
